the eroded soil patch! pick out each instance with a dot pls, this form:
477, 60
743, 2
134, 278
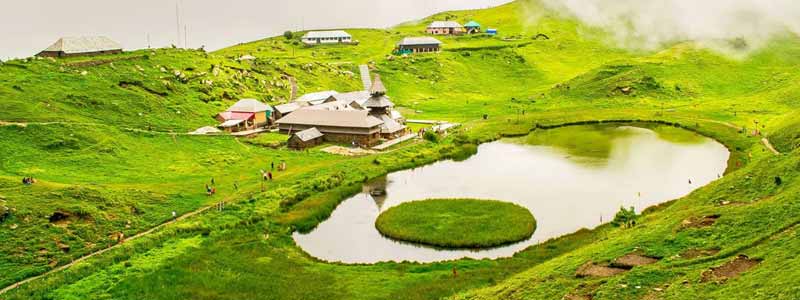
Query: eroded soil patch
731, 269
700, 222
591, 269
696, 253
631, 260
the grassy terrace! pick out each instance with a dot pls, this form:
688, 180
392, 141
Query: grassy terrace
457, 223
104, 140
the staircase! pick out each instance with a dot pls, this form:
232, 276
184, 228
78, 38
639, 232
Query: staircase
365, 78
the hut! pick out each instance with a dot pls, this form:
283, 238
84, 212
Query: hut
234, 125
473, 27
285, 109
262, 113
305, 139
245, 114
412, 45
81, 46
348, 126
491, 31
445, 28
327, 37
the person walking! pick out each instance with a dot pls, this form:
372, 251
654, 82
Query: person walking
174, 215
269, 174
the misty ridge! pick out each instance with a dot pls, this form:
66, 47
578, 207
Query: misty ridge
732, 27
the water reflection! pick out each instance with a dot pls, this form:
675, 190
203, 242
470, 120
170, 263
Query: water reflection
566, 185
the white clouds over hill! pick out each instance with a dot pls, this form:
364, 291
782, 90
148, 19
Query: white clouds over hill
649, 24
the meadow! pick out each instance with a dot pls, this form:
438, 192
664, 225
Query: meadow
105, 138
457, 223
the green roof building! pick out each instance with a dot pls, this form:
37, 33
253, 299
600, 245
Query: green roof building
473, 27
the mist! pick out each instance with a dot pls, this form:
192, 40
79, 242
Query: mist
730, 26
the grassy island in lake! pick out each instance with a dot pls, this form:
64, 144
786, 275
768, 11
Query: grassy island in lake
457, 223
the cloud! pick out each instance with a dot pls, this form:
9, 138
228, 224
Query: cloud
725, 25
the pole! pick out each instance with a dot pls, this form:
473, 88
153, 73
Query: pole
178, 23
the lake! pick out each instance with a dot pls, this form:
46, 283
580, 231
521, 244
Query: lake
569, 178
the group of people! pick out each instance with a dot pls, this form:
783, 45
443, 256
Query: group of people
211, 189
28, 180
265, 176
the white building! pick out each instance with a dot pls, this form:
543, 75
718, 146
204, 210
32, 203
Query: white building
327, 37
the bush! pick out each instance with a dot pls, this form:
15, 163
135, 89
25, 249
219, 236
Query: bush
431, 136
288, 35
625, 218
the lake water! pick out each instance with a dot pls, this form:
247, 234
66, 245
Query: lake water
569, 178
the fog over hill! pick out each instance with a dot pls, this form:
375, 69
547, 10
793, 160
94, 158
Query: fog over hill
715, 23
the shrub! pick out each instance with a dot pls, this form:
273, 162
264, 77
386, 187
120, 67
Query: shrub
625, 218
431, 136
288, 35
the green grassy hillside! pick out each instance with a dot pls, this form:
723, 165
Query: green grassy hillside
103, 136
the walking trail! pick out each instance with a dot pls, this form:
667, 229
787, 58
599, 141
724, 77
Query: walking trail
764, 140
99, 252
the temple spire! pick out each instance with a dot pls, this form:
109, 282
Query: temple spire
377, 88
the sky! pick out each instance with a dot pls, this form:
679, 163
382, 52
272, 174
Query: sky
28, 26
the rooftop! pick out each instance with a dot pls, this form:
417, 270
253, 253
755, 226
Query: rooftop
419, 41
86, 44
390, 125
358, 97
287, 108
333, 105
308, 134
377, 87
327, 34
472, 24
378, 101
331, 118
250, 105
316, 97
444, 24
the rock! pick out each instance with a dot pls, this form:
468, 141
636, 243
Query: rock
84, 73
64, 247
59, 216
5, 213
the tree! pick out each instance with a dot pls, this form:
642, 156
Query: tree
288, 35
431, 136
625, 218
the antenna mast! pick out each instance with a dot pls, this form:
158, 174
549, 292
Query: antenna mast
178, 23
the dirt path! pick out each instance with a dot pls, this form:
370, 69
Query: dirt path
99, 252
764, 140
769, 146
727, 124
